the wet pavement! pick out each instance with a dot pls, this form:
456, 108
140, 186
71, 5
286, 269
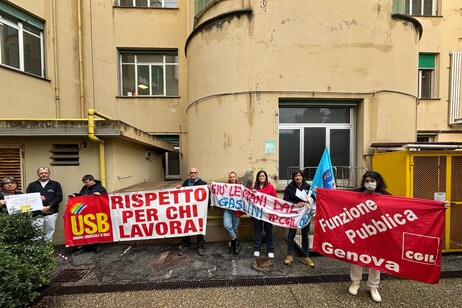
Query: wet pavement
153, 275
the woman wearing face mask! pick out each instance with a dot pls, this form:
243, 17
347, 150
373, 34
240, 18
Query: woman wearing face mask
372, 182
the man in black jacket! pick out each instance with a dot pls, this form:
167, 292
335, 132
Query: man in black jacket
51, 194
90, 187
193, 180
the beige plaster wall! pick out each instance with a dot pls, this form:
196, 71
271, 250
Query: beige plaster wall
441, 35
37, 154
297, 49
127, 164
107, 28
93, 77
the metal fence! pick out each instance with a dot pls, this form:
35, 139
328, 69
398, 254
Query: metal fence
346, 177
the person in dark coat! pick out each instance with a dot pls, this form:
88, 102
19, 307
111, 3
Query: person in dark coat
91, 187
193, 180
290, 194
51, 194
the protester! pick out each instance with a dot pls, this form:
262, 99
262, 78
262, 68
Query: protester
231, 220
9, 187
372, 182
263, 186
90, 187
193, 180
51, 195
290, 194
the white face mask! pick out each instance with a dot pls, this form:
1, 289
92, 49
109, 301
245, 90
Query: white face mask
370, 186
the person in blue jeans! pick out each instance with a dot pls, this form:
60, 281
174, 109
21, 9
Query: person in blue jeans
290, 194
263, 186
231, 220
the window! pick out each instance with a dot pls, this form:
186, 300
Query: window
149, 73
65, 155
172, 159
11, 163
421, 7
305, 131
425, 138
21, 41
427, 75
148, 3
201, 4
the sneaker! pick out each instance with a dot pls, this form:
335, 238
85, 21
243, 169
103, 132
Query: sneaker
375, 294
271, 255
288, 260
308, 261
200, 251
183, 250
353, 289
256, 254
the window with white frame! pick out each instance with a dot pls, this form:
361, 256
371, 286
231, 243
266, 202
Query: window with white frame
421, 7
427, 63
148, 3
201, 4
21, 41
149, 73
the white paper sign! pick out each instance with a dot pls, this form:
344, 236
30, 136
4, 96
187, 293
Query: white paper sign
23, 203
301, 194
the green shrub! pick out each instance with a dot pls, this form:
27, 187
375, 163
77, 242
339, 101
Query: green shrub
26, 260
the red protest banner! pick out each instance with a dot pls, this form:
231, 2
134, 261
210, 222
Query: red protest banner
87, 220
396, 235
136, 215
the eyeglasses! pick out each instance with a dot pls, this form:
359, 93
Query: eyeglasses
9, 183
193, 172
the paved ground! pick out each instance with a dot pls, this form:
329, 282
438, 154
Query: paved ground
121, 275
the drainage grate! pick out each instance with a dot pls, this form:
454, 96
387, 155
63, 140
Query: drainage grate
70, 275
241, 282
451, 274
143, 286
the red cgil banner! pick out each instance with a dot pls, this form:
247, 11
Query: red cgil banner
396, 235
136, 215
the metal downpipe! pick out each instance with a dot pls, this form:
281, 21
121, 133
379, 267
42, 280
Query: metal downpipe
91, 135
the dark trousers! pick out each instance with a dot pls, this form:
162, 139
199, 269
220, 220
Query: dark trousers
305, 240
258, 226
187, 241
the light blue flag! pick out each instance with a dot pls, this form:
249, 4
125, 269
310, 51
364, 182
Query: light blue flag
324, 176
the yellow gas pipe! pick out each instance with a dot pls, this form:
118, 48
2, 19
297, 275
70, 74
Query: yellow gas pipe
91, 134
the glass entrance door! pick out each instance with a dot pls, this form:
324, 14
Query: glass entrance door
305, 132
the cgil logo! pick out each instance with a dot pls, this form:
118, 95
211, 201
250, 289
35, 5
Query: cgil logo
420, 257
419, 248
